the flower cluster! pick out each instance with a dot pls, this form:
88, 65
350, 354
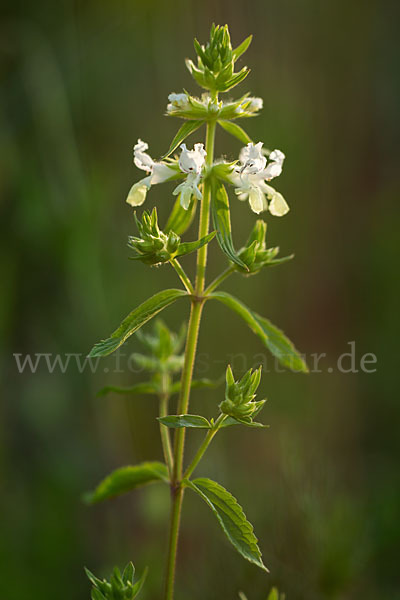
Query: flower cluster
185, 106
239, 395
250, 177
190, 163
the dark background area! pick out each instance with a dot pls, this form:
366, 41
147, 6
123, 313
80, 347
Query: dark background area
80, 82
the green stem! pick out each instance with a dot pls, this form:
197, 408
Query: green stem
164, 431
203, 447
205, 211
182, 275
218, 280
187, 372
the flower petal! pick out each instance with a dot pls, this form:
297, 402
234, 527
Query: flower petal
277, 206
141, 159
161, 172
137, 193
257, 200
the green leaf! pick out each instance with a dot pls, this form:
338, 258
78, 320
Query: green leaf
241, 49
126, 479
184, 131
135, 320
188, 247
247, 422
179, 421
236, 131
273, 338
180, 219
231, 518
197, 384
222, 222
139, 388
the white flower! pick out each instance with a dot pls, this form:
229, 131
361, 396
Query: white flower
249, 105
250, 180
255, 104
159, 172
187, 189
252, 158
190, 162
178, 101
141, 159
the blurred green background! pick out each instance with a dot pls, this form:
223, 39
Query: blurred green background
80, 82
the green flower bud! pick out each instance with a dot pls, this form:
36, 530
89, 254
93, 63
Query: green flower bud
165, 349
239, 395
153, 247
120, 587
216, 60
255, 254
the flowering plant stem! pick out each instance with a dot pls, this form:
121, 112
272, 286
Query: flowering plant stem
197, 303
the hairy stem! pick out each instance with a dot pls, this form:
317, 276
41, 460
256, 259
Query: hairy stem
187, 372
164, 431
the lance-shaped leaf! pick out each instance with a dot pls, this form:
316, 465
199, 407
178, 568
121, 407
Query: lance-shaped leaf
188, 247
230, 516
187, 128
147, 387
135, 320
190, 421
180, 219
222, 222
236, 131
125, 479
273, 338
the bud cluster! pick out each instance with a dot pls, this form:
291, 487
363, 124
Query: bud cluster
216, 61
256, 255
239, 395
154, 247
164, 348
120, 586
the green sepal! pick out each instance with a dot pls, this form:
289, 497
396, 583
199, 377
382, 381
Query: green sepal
272, 337
222, 222
180, 219
241, 49
188, 247
125, 479
139, 584
136, 319
236, 131
129, 573
183, 132
230, 516
189, 421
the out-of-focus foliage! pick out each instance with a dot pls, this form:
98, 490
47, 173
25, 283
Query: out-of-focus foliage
79, 80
